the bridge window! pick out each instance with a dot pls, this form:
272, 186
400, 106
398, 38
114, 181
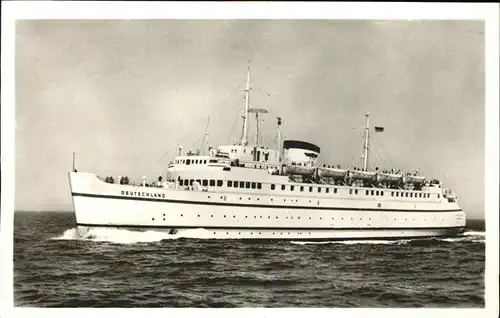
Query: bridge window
242, 184
229, 183
212, 183
253, 185
219, 183
406, 195
335, 190
367, 192
181, 182
356, 191
205, 182
191, 182
188, 161
259, 185
377, 193
301, 188
235, 184
247, 185
319, 189
327, 190
373, 192
283, 187
291, 188
273, 186
310, 189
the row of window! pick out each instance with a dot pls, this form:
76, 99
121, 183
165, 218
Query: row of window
258, 185
204, 182
292, 188
244, 184
194, 161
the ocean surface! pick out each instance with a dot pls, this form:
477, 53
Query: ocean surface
120, 268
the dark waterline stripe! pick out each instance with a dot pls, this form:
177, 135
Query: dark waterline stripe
266, 228
249, 205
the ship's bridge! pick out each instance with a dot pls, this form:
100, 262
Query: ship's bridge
250, 154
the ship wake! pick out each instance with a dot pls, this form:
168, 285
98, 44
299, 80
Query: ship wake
123, 236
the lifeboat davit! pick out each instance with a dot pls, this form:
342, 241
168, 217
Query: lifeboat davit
299, 170
332, 173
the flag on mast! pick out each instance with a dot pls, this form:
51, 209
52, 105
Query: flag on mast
379, 129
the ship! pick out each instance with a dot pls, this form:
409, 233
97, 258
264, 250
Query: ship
248, 190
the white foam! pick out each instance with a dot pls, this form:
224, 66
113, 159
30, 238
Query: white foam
123, 236
474, 233
349, 242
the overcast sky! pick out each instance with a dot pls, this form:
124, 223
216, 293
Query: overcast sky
123, 93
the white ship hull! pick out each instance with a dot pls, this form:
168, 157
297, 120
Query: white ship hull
259, 214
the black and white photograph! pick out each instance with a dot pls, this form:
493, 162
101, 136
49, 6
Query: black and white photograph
216, 160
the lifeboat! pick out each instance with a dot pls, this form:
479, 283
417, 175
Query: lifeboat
331, 173
299, 170
388, 177
414, 179
361, 175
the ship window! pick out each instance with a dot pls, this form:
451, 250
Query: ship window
235, 184
411, 194
367, 192
382, 193
212, 183
219, 183
392, 193
242, 184
283, 187
377, 193
253, 185
406, 194
291, 188
310, 189
247, 185
213, 160
335, 190
301, 188
438, 196
198, 180
273, 186
191, 182
229, 183
205, 161
205, 182
350, 191
319, 189
327, 190
356, 191
188, 161
373, 192
259, 185
181, 182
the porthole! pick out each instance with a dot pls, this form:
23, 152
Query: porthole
209, 197
153, 219
182, 214
224, 216
227, 233
240, 198
214, 232
198, 215
163, 219
268, 217
163, 214
234, 216
212, 216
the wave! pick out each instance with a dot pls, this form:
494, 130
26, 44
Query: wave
469, 236
123, 236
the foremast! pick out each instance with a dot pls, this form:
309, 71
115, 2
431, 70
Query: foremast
244, 138
366, 145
